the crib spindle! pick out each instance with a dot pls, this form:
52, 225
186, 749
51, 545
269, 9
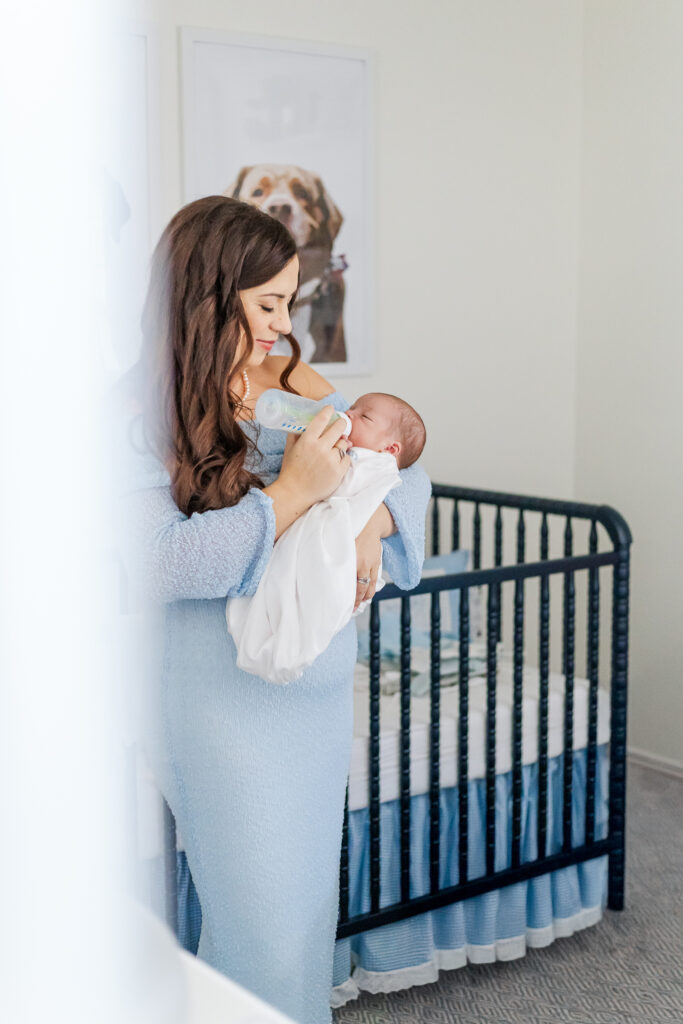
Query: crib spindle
518, 675
521, 538
498, 559
374, 758
544, 538
434, 745
344, 864
543, 665
463, 734
455, 526
568, 662
568, 547
592, 663
476, 523
405, 748
436, 527
491, 637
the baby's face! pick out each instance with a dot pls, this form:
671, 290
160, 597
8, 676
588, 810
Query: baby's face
373, 424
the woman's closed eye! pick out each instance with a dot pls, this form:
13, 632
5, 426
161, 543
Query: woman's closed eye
268, 309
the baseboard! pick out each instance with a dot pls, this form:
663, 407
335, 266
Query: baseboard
659, 764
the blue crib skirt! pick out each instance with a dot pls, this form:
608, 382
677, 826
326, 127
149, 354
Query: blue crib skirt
497, 925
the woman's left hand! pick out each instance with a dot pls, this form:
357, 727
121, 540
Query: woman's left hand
369, 553
368, 558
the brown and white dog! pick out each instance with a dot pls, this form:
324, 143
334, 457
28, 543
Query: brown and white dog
298, 199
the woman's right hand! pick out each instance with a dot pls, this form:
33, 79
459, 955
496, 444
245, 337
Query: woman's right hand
312, 464
312, 467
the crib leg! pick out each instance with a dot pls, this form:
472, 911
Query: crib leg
615, 880
617, 781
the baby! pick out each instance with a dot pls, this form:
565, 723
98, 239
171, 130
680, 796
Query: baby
308, 589
385, 423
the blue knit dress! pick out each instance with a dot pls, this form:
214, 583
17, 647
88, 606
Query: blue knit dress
254, 773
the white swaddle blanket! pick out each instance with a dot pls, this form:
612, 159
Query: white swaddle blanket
308, 589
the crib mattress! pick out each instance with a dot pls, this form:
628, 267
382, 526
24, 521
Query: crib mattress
420, 714
151, 821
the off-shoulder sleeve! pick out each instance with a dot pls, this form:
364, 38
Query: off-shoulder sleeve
213, 554
403, 552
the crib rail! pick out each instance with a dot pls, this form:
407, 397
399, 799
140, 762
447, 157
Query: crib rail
490, 581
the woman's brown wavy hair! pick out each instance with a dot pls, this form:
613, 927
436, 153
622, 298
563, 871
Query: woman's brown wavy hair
192, 323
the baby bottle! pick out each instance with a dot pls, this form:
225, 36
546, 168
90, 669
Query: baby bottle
282, 410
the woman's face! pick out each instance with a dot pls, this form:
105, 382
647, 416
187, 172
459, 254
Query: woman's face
267, 312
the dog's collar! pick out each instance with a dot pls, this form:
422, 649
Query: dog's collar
336, 265
319, 286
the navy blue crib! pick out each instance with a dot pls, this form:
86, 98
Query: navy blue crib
474, 503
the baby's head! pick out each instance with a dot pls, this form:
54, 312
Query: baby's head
386, 423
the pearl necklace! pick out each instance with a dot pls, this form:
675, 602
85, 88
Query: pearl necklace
247, 387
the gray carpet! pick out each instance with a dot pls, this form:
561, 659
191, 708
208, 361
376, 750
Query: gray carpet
628, 968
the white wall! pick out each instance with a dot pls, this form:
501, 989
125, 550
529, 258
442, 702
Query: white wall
501, 130
630, 344
477, 113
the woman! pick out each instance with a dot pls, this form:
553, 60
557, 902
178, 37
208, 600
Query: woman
254, 773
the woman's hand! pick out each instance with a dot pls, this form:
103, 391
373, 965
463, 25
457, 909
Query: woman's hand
313, 465
369, 553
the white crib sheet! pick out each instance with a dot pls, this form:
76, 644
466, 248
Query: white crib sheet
390, 738
150, 819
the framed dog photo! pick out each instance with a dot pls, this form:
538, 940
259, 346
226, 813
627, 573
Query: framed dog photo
287, 126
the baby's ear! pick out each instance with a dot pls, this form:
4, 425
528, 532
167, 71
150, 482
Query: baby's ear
394, 448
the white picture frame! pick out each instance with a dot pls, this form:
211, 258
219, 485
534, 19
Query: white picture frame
251, 102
